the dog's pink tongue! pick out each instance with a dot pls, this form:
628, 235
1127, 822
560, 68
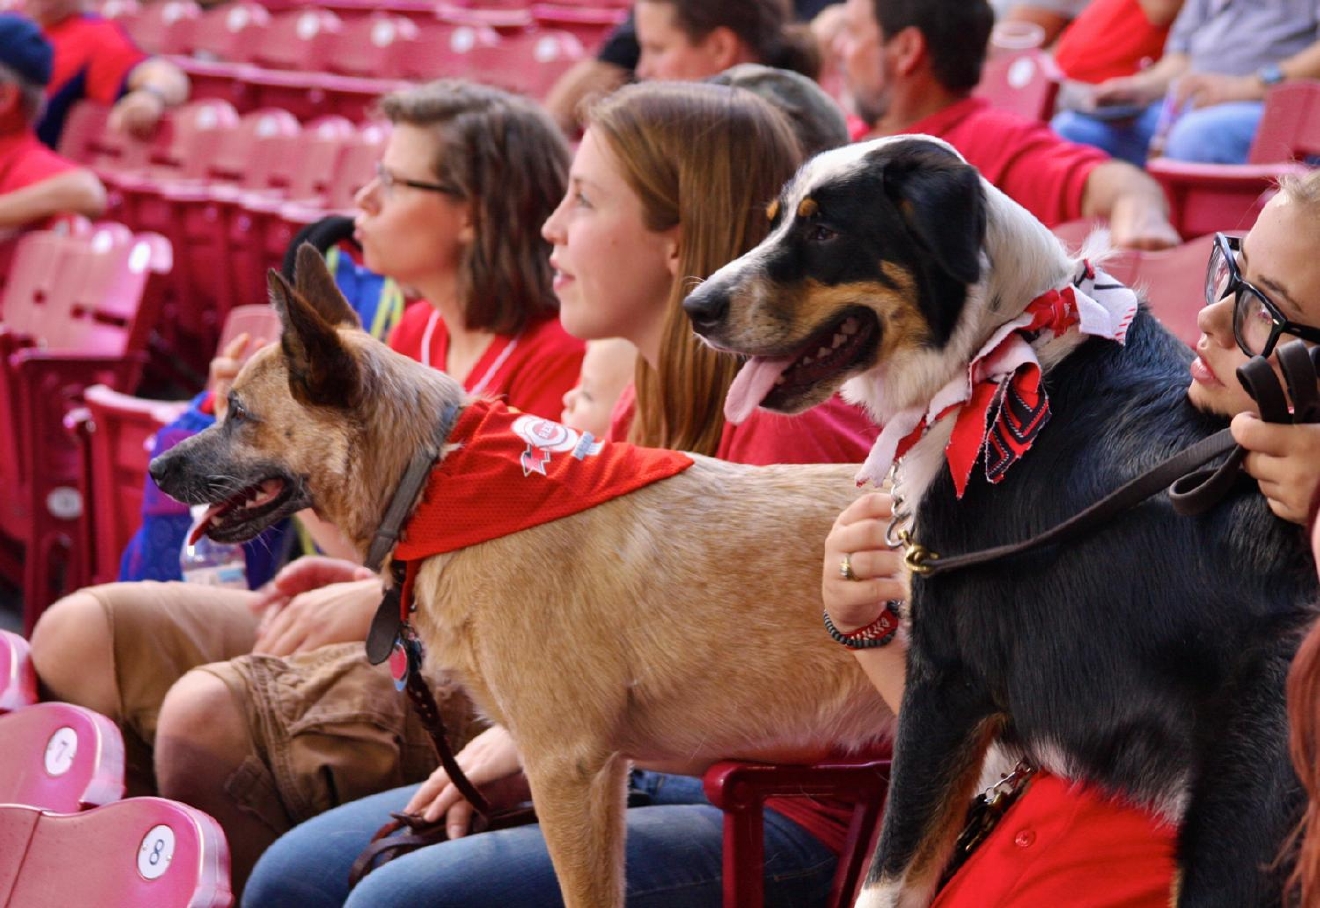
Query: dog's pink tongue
199, 528
752, 383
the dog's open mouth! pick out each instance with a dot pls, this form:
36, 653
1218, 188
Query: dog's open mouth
243, 515
782, 382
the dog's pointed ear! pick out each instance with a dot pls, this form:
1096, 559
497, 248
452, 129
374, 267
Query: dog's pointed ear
316, 284
322, 370
942, 200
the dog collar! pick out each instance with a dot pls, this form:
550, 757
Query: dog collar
999, 403
387, 626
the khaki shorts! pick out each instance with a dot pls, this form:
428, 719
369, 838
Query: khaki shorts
325, 727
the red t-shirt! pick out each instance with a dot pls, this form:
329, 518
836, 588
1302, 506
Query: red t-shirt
93, 57
1039, 170
532, 371
25, 161
1107, 39
834, 432
1065, 844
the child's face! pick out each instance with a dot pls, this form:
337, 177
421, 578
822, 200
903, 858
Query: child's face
606, 369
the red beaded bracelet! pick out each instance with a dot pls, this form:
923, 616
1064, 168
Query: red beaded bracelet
878, 633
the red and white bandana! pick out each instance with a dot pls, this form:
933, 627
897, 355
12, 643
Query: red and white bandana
511, 471
999, 405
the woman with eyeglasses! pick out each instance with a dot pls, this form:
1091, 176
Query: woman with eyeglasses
260, 707
1261, 291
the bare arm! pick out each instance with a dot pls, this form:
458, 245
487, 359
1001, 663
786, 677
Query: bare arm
72, 192
1132, 202
1052, 21
585, 79
1206, 89
1145, 87
154, 86
1160, 12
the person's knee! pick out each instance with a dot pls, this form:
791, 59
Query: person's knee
201, 734
73, 653
1214, 135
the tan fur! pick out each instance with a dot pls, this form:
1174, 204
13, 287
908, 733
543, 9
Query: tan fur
678, 624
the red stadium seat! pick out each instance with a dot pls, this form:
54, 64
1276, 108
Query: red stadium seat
527, 63
18, 681
165, 27
116, 432
740, 789
368, 46
589, 23
1205, 198
444, 49
57, 756
138, 852
86, 322
1026, 82
292, 40
228, 32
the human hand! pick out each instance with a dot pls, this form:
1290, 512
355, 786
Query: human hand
137, 113
1284, 460
1125, 90
337, 613
859, 533
1208, 89
491, 757
1136, 224
224, 368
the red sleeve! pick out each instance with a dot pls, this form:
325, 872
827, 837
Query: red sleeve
31, 163
546, 369
112, 58
834, 432
1043, 172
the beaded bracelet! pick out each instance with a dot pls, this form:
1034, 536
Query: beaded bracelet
878, 633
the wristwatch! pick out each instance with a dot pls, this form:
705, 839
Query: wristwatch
1270, 74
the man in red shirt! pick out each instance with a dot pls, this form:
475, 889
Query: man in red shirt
35, 183
910, 67
95, 59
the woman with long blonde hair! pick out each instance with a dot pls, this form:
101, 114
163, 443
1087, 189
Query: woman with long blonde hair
670, 182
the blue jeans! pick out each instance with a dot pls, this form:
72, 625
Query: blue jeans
1220, 134
674, 858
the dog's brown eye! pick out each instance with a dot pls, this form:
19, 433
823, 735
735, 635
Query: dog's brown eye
821, 234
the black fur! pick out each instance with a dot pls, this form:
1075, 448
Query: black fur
1151, 651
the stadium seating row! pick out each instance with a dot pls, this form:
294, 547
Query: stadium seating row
66, 838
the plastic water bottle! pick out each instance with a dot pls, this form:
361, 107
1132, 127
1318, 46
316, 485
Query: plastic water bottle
210, 562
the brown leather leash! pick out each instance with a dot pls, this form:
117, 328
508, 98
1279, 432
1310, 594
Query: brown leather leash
1192, 492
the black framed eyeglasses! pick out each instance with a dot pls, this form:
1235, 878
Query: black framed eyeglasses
1257, 322
388, 181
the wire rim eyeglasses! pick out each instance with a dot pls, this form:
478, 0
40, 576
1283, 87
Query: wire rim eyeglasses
388, 181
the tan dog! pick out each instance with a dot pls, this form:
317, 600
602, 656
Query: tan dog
676, 623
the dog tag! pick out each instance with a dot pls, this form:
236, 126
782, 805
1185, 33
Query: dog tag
399, 665
383, 637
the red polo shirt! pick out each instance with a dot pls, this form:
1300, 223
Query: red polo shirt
93, 57
531, 372
24, 161
1039, 170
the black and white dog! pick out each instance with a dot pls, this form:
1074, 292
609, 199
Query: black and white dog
1148, 658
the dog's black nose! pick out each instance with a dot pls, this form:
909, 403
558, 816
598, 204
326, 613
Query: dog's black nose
159, 468
706, 307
